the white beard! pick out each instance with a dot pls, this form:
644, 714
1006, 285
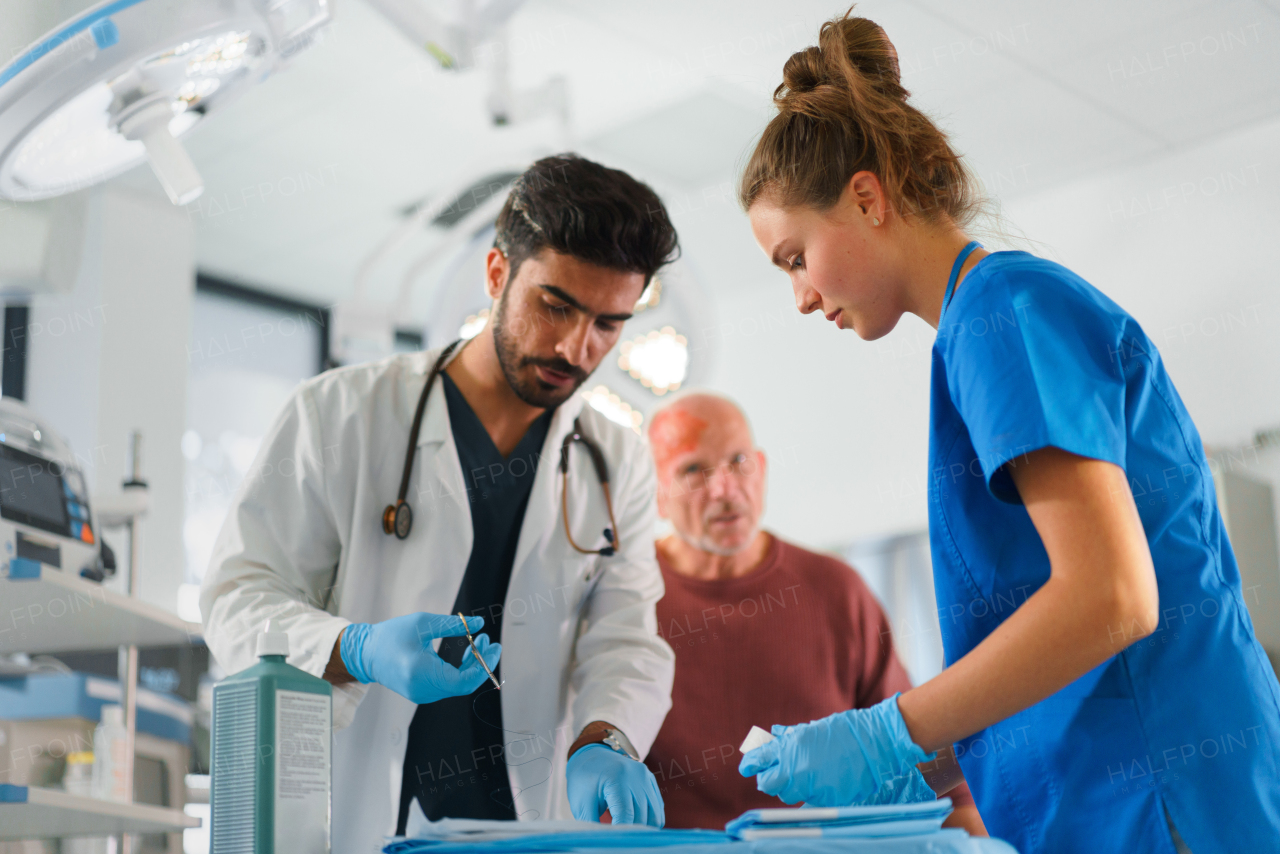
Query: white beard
706, 544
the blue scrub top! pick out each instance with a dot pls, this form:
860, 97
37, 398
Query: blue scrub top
1187, 720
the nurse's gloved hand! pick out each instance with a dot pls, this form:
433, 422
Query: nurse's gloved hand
398, 653
838, 761
910, 788
601, 778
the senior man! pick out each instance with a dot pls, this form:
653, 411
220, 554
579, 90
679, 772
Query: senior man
764, 631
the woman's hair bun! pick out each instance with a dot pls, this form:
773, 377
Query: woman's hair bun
804, 71
852, 53
842, 110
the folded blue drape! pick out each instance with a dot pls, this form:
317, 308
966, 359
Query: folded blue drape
889, 820
890, 829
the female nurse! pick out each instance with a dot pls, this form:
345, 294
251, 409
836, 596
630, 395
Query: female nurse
1104, 690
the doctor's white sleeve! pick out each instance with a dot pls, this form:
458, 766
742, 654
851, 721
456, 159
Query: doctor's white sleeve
624, 670
276, 554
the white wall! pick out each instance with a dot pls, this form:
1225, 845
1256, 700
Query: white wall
64, 336
1187, 243
1248, 480
111, 356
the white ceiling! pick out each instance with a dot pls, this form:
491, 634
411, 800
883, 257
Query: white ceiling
307, 173
1078, 115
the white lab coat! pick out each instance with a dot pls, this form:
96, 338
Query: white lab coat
579, 639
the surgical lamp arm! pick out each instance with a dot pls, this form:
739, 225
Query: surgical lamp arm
452, 44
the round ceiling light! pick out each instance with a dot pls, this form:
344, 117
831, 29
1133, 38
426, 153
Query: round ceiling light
613, 407
650, 296
659, 360
120, 82
472, 326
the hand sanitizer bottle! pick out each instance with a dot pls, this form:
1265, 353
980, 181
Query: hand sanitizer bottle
270, 756
110, 749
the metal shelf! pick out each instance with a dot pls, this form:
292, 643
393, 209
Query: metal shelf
9, 667
27, 812
57, 611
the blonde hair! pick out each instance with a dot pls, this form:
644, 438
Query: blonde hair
842, 110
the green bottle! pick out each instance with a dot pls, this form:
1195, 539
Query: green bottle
270, 757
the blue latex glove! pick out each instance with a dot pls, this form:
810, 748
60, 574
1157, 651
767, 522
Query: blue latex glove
910, 788
601, 778
398, 653
841, 760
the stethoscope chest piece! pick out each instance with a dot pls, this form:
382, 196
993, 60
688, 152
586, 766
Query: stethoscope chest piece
397, 519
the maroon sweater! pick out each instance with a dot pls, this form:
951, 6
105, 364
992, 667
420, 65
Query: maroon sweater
798, 638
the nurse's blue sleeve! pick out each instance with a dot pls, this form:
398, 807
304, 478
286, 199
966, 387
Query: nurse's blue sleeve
1032, 362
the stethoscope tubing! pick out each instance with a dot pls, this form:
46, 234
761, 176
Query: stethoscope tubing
397, 518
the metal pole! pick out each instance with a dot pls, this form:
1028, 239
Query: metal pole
127, 666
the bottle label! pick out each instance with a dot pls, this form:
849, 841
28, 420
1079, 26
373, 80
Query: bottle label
303, 733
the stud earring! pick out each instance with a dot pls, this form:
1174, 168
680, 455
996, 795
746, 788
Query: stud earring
875, 221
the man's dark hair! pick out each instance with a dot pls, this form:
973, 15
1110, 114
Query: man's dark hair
577, 207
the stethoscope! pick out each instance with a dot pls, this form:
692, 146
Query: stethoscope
955, 277
398, 518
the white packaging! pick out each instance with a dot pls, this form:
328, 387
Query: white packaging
110, 747
756, 738
302, 774
77, 779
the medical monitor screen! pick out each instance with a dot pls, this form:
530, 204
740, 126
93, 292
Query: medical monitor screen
31, 491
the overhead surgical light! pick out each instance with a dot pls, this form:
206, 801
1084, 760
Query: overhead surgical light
122, 80
459, 219
472, 326
650, 296
613, 407
658, 360
452, 32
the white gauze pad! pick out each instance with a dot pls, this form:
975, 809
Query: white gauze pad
754, 739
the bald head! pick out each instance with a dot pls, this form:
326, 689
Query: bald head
679, 426
710, 474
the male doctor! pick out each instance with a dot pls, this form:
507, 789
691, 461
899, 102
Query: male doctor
561, 574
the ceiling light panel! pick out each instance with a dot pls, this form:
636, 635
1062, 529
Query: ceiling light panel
659, 360
613, 407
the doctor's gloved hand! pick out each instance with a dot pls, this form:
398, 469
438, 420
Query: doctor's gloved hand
841, 760
398, 653
601, 778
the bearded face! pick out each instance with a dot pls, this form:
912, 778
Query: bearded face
555, 321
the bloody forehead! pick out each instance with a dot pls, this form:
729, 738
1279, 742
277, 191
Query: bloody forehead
674, 432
